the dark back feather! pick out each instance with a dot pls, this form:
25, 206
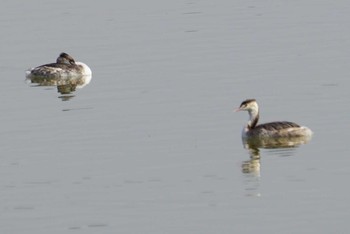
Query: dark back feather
277, 125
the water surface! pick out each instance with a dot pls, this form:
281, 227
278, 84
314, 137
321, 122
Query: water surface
151, 144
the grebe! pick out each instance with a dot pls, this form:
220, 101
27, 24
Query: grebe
65, 66
273, 129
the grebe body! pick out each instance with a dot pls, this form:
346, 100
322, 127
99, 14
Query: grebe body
64, 67
272, 129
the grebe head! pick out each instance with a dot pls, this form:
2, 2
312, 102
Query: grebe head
65, 58
249, 105
252, 107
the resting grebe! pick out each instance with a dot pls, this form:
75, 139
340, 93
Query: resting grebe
273, 129
65, 66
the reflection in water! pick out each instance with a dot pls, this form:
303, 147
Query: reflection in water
65, 86
251, 171
275, 143
252, 165
276, 146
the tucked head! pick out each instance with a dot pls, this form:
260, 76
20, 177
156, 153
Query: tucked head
65, 58
248, 105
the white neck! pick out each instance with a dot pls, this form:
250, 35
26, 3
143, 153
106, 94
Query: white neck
253, 117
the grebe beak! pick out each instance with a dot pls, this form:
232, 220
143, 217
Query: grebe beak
236, 110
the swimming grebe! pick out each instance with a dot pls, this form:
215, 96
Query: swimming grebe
65, 66
273, 129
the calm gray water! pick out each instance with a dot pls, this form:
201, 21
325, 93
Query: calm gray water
151, 144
